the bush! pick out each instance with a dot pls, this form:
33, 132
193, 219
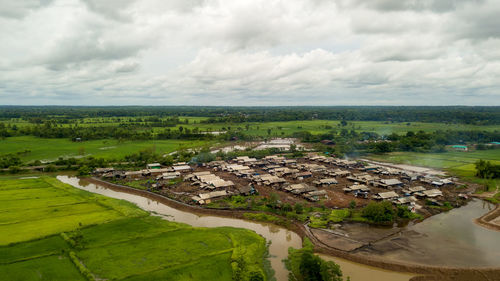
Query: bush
50, 168
352, 204
404, 213
299, 209
287, 207
14, 169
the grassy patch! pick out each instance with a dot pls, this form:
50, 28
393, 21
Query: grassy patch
262, 217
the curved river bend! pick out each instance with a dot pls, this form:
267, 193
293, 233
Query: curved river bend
281, 239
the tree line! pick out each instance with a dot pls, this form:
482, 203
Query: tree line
477, 115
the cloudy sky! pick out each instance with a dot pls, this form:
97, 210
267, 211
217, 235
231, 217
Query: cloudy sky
250, 52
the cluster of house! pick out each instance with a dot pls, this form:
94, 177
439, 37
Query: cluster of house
153, 169
273, 171
399, 192
282, 144
275, 168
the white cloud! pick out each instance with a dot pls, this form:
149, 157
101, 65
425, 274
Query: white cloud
249, 52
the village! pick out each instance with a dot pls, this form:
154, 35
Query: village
314, 179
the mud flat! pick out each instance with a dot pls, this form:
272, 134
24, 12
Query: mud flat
450, 239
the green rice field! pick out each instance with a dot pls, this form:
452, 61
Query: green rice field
287, 128
52, 231
52, 149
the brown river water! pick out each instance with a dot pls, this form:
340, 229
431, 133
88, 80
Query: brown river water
456, 228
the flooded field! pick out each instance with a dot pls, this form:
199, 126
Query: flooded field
281, 239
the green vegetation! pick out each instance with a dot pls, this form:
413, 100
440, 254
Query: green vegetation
211, 114
83, 138
52, 231
379, 212
34, 208
333, 216
304, 265
495, 199
404, 213
487, 170
33, 148
263, 217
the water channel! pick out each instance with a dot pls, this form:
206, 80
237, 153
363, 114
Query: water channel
281, 239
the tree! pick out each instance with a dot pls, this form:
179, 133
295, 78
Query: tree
304, 265
487, 170
84, 170
382, 147
379, 212
310, 267
256, 276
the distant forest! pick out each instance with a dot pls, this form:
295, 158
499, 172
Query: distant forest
476, 115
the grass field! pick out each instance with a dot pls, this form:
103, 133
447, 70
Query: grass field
52, 149
50, 231
456, 162
41, 210
287, 128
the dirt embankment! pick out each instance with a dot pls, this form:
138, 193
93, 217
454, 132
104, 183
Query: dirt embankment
428, 273
490, 220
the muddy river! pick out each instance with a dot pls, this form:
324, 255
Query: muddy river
455, 226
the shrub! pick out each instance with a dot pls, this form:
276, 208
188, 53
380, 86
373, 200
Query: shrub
299, 209
287, 207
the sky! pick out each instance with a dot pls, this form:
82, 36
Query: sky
250, 52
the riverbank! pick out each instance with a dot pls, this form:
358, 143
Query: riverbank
490, 220
442, 273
